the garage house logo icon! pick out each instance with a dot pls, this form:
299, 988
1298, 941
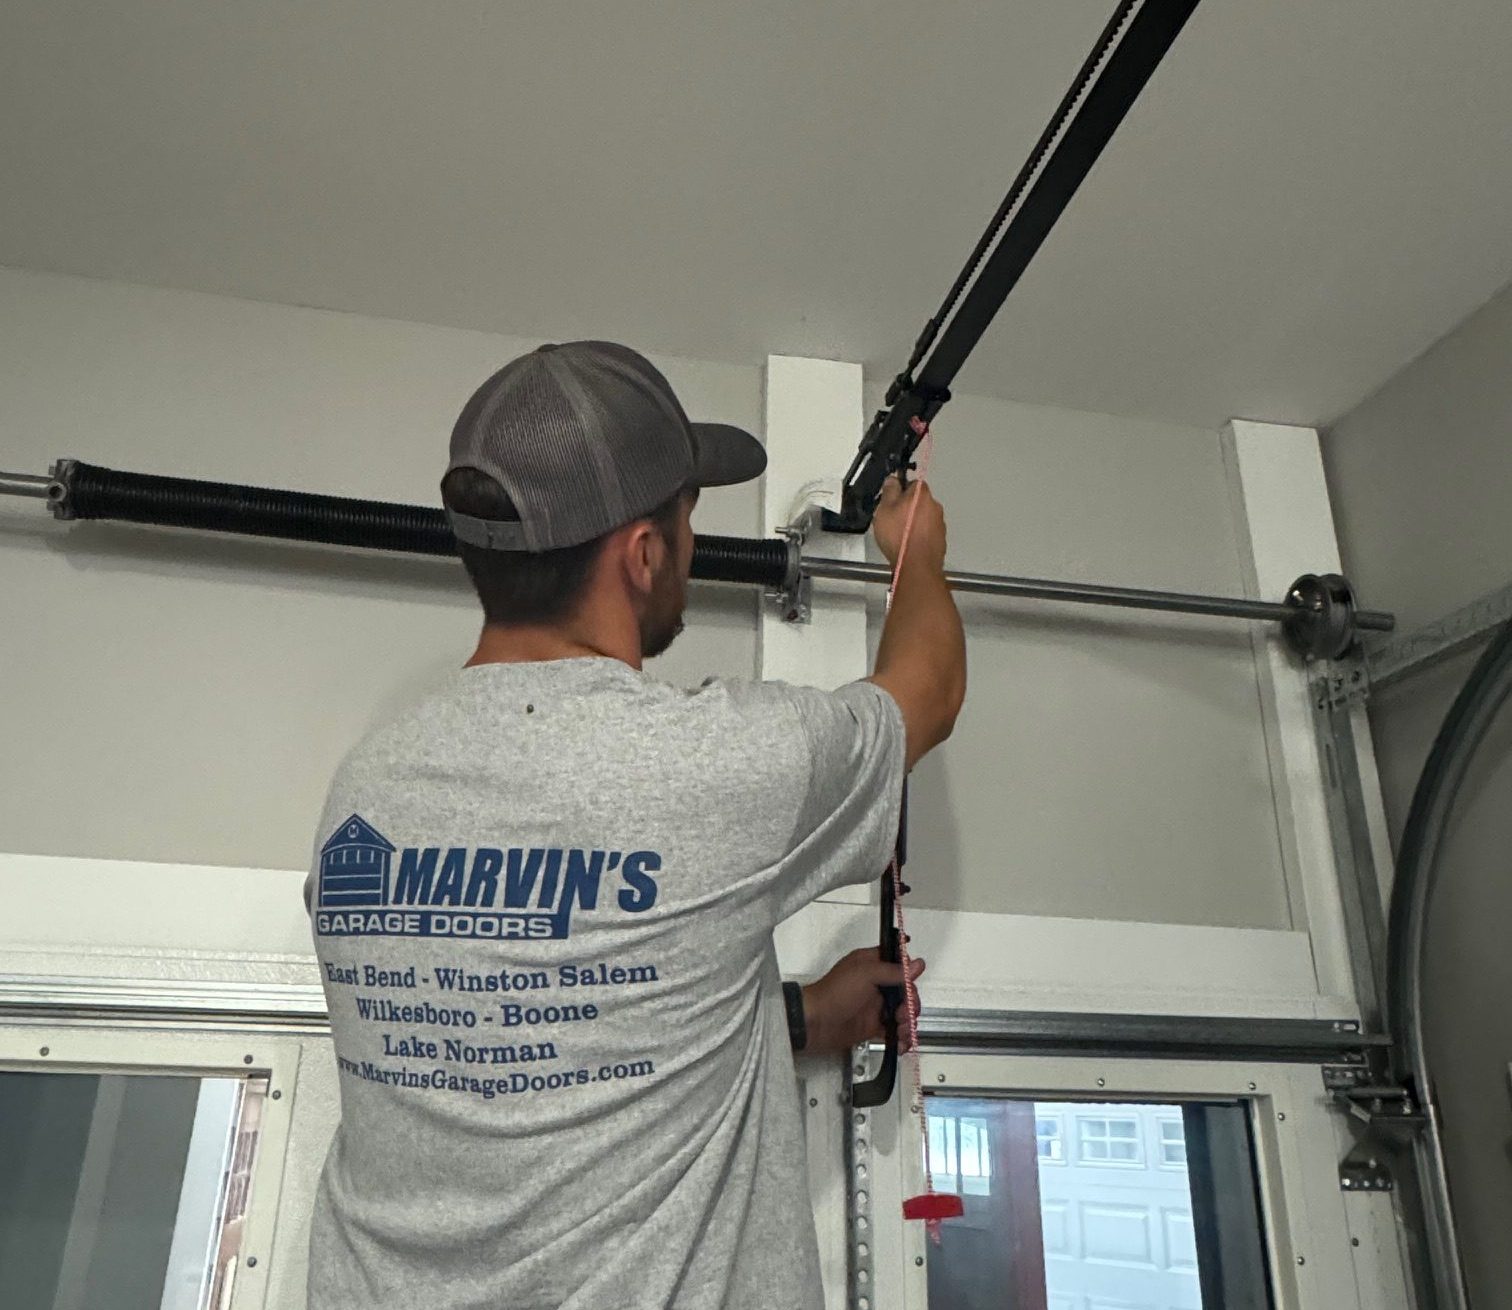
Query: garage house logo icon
369, 887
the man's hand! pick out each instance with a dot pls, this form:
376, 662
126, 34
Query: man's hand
844, 1008
926, 543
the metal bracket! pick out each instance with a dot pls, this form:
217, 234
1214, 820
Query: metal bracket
794, 598
1361, 1171
1389, 1119
58, 501
1345, 684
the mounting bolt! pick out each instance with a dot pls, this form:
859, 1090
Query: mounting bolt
813, 1101
46, 1050
939, 1078
1301, 1259
251, 1262
918, 1260
247, 1059
1354, 1241
1102, 1082
1281, 1117
277, 1095
1252, 1087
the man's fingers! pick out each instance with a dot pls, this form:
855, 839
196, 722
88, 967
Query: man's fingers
891, 975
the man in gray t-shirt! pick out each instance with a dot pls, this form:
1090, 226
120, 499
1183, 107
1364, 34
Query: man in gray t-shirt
543, 897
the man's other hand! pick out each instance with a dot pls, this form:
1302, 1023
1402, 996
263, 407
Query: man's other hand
844, 1008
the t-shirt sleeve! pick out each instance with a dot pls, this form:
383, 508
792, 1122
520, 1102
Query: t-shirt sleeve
848, 816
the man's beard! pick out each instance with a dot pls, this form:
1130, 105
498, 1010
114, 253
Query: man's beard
663, 620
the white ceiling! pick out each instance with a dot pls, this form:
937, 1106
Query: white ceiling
1308, 195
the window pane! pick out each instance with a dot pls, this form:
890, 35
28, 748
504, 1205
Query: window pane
1110, 1224
122, 1192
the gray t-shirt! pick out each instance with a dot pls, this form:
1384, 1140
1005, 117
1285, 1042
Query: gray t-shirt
543, 903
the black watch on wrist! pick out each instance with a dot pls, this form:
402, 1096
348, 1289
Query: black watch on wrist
792, 998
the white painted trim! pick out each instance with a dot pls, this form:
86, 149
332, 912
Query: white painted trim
1024, 962
1285, 528
97, 905
814, 419
88, 918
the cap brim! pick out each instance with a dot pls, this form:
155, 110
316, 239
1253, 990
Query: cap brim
727, 455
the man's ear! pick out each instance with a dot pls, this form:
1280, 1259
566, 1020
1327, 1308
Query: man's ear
640, 554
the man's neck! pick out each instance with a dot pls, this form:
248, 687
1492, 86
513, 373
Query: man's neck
523, 643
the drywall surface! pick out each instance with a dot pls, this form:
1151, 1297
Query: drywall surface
1109, 763
181, 697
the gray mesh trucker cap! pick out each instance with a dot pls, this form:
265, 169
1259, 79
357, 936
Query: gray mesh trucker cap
585, 437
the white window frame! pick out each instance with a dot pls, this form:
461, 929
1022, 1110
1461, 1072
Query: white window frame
1058, 1121
1313, 1265
137, 1050
1161, 1143
1109, 1161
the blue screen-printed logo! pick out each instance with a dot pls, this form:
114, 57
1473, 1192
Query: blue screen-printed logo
369, 887
354, 867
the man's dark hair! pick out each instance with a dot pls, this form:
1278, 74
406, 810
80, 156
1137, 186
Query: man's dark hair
519, 587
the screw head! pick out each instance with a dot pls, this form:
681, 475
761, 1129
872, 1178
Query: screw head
939, 1078
1301, 1259
1102, 1082
251, 1262
246, 1059
277, 1095
918, 1260
1252, 1087
813, 1100
1281, 1116
46, 1050
1354, 1241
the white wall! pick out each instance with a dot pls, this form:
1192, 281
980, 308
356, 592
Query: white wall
183, 698
1419, 475
1110, 764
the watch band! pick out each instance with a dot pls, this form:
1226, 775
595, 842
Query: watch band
792, 998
